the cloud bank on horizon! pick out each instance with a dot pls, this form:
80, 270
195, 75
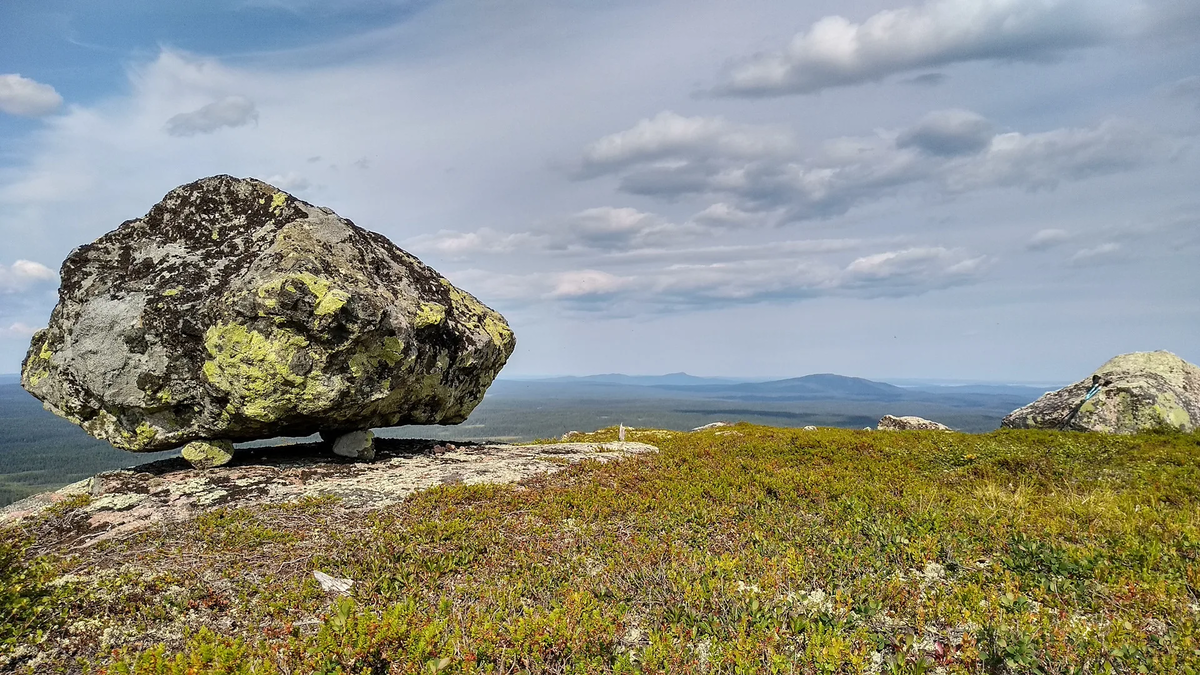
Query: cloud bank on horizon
907, 189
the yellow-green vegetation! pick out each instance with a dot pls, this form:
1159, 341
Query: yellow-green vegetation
277, 201
741, 549
255, 369
29, 603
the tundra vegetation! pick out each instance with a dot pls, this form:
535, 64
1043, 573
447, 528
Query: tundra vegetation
740, 549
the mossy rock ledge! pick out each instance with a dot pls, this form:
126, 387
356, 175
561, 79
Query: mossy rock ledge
235, 311
1145, 390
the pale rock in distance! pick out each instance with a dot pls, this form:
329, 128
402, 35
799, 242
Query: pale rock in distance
234, 311
1145, 390
355, 445
910, 423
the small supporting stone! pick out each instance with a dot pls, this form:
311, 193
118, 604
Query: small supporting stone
207, 454
356, 445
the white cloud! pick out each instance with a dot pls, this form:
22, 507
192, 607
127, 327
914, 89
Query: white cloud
669, 135
1043, 160
1048, 238
923, 268
1096, 254
738, 274
603, 229
951, 151
838, 52
24, 274
27, 98
587, 283
18, 330
290, 182
231, 111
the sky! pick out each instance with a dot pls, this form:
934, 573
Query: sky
981, 190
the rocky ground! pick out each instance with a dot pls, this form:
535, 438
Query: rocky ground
731, 549
116, 504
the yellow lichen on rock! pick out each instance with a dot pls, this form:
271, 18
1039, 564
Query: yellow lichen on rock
476, 316
255, 369
327, 298
429, 314
390, 351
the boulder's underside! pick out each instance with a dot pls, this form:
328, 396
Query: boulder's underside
1145, 390
233, 310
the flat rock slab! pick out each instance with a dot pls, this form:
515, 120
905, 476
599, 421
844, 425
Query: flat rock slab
171, 490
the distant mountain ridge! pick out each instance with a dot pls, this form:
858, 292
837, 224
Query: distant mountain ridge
821, 385
670, 379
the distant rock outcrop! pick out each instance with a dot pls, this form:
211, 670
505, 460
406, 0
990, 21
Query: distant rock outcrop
233, 311
1131, 393
910, 422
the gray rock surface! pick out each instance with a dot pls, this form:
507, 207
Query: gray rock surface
166, 491
235, 311
1146, 390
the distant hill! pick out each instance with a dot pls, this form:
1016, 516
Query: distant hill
670, 379
824, 386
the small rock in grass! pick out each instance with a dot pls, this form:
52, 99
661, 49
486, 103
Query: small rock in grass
208, 454
712, 425
910, 422
331, 584
356, 445
810, 428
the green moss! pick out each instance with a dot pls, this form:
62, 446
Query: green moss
253, 368
277, 202
171, 291
429, 314
45, 354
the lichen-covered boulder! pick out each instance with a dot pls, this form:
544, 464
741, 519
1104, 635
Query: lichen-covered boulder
233, 310
909, 423
1144, 390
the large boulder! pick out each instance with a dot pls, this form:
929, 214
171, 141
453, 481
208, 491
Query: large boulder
235, 311
1138, 391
